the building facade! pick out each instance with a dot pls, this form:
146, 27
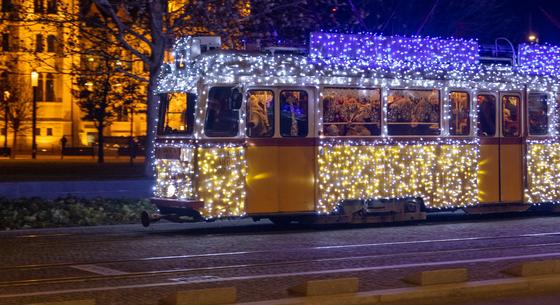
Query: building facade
31, 41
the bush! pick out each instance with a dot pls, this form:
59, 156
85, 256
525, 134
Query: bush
69, 211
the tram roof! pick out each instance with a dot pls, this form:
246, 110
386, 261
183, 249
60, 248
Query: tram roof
313, 69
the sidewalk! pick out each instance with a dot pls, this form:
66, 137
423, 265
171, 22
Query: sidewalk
50, 177
52, 168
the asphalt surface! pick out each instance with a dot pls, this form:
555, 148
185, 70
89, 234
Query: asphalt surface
132, 265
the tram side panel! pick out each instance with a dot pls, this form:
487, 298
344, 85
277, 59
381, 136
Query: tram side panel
296, 186
488, 174
263, 179
511, 173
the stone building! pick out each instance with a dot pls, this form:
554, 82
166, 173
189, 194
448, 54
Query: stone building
31, 41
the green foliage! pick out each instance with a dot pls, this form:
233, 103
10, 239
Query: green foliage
70, 211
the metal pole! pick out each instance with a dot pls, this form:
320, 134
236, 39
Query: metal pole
34, 126
5, 124
131, 140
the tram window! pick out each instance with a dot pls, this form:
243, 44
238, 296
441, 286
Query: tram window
293, 113
260, 113
538, 110
222, 112
510, 116
177, 113
460, 124
351, 112
486, 115
413, 112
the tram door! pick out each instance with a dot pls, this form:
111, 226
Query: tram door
500, 131
511, 150
487, 131
280, 152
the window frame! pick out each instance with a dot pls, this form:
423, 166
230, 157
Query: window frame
556, 113
51, 7
164, 102
6, 42
50, 90
470, 107
39, 43
549, 120
240, 122
321, 110
274, 114
39, 6
385, 110
497, 127
51, 43
310, 116
519, 114
7, 6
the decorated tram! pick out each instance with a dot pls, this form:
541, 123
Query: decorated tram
361, 128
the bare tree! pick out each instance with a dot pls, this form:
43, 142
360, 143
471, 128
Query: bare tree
147, 28
20, 109
96, 99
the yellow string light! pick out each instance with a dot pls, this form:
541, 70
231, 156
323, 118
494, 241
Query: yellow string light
543, 172
443, 175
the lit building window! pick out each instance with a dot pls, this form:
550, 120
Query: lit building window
49, 132
49, 88
45, 87
39, 6
7, 5
5, 42
51, 6
39, 44
51, 43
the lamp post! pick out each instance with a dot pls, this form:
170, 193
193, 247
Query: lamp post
6, 100
34, 84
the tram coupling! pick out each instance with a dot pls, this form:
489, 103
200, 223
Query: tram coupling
149, 218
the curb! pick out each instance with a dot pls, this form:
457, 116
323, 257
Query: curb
431, 294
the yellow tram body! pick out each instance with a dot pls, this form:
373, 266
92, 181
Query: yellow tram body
391, 166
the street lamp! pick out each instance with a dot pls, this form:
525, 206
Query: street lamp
34, 84
533, 38
6, 100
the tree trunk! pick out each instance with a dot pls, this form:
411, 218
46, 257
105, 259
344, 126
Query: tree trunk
153, 108
101, 147
14, 142
158, 38
151, 116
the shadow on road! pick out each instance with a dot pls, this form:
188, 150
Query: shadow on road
247, 227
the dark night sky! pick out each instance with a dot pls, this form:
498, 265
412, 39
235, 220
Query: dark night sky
482, 19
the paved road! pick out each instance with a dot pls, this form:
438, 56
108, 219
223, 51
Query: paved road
133, 265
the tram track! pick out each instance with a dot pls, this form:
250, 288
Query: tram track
185, 271
276, 251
